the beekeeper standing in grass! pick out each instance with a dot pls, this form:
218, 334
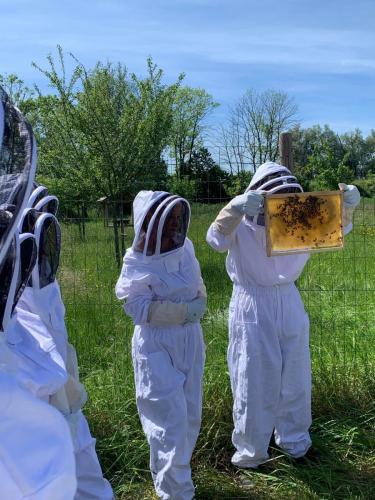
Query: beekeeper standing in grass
165, 296
268, 352
36, 452
41, 311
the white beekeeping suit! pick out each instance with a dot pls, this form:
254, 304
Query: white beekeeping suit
268, 352
36, 453
40, 307
165, 296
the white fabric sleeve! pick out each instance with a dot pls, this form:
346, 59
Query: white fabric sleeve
202, 291
164, 312
195, 263
75, 391
138, 302
134, 286
227, 219
347, 218
73, 396
217, 240
123, 284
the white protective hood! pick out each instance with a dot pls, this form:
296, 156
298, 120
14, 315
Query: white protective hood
281, 178
42, 201
17, 169
272, 178
161, 221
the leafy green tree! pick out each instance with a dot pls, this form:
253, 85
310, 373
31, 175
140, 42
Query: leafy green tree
19, 93
366, 185
210, 179
370, 145
322, 158
105, 130
326, 171
191, 107
237, 184
182, 185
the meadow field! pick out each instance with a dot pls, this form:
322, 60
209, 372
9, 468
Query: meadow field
338, 289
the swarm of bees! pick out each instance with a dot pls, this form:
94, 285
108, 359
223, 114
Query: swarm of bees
301, 214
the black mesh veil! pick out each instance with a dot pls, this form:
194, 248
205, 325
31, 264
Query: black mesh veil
28, 254
163, 226
168, 227
7, 270
46, 230
48, 251
175, 223
17, 169
145, 234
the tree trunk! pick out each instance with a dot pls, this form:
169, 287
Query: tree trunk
122, 228
116, 241
81, 222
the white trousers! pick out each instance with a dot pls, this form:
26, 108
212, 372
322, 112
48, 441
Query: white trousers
91, 485
269, 366
36, 452
168, 366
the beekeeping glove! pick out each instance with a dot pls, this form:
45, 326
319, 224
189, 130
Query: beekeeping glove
196, 309
250, 203
165, 312
351, 195
351, 198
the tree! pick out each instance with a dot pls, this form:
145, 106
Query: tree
209, 178
359, 154
255, 123
322, 158
16, 89
370, 146
106, 131
190, 108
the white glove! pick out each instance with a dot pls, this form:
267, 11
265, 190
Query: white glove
350, 194
250, 203
196, 309
230, 216
165, 313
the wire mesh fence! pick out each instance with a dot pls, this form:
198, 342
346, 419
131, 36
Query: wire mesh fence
338, 289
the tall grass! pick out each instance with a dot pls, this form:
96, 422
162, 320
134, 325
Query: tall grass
338, 289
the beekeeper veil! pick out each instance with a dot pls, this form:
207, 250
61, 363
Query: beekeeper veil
42, 201
17, 171
273, 178
161, 221
47, 233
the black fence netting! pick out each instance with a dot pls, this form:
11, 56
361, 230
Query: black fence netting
338, 289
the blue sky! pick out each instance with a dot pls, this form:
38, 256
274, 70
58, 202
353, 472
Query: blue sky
321, 52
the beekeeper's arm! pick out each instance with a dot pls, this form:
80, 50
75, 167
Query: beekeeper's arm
143, 309
221, 231
351, 200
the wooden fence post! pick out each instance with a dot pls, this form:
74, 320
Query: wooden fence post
285, 150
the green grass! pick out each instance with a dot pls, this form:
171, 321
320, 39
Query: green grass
338, 289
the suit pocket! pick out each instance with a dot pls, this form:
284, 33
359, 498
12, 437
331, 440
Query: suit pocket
243, 309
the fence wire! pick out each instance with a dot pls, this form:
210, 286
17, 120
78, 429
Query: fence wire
338, 289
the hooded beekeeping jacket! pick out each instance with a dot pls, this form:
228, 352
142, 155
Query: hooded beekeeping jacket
268, 352
247, 262
41, 329
160, 273
36, 453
